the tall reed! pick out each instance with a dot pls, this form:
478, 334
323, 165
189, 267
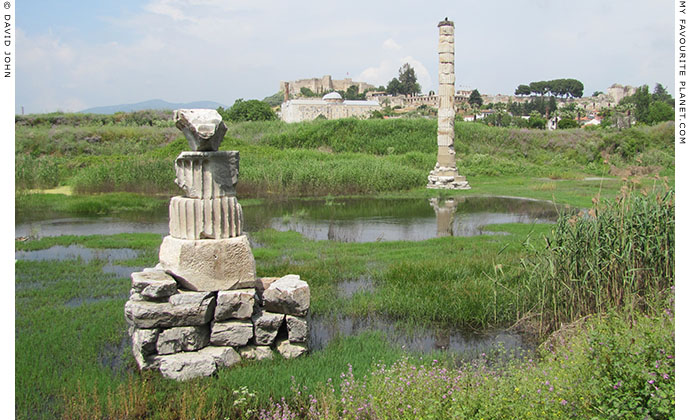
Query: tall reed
618, 255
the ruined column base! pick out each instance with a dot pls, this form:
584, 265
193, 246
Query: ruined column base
447, 179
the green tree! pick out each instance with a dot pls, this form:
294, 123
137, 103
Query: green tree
597, 93
394, 87
251, 110
352, 93
660, 94
475, 99
660, 111
523, 90
405, 83
640, 100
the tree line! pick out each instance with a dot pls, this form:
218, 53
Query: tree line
558, 87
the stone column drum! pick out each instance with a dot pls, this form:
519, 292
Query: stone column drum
445, 173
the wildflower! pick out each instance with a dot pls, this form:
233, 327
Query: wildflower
651, 381
665, 376
564, 402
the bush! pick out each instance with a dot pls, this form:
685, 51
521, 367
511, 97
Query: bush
251, 110
566, 123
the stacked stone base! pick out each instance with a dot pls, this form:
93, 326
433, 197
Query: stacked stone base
187, 334
447, 178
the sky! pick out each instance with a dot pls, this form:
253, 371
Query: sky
73, 55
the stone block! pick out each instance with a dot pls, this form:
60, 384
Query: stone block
235, 304
207, 174
177, 339
290, 350
446, 30
235, 333
288, 295
447, 38
446, 78
252, 352
182, 309
262, 284
154, 284
298, 329
214, 218
209, 265
446, 57
266, 325
203, 128
444, 140
446, 90
187, 365
223, 356
446, 102
446, 68
448, 112
450, 131
145, 340
446, 47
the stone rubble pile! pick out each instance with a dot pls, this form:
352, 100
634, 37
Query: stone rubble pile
202, 307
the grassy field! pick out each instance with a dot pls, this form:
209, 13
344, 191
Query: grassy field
331, 157
596, 288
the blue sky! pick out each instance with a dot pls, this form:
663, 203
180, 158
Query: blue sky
74, 55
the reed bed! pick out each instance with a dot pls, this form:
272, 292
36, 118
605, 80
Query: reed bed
620, 254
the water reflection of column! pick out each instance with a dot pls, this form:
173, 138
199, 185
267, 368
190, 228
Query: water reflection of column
445, 213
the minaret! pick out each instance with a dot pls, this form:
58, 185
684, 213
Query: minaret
445, 173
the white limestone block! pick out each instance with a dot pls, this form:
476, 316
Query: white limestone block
298, 329
290, 350
209, 265
235, 304
223, 356
235, 333
288, 295
182, 309
252, 352
177, 339
187, 365
266, 325
153, 284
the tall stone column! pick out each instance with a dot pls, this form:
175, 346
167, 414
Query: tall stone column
445, 173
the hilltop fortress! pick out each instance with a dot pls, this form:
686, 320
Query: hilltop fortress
323, 85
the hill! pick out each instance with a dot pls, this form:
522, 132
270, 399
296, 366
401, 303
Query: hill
151, 104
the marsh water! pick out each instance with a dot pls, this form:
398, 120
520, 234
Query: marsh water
344, 220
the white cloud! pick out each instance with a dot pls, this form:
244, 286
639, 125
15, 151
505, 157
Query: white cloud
390, 44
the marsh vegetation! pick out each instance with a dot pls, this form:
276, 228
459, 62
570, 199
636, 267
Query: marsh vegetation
592, 293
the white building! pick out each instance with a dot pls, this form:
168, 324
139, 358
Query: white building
331, 106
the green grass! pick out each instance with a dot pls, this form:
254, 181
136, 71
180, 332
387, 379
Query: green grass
340, 157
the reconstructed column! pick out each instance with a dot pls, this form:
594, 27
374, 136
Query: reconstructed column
445, 173
202, 307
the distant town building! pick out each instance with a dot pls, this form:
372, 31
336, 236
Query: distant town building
331, 106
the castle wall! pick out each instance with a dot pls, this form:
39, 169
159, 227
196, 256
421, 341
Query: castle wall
298, 110
325, 84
